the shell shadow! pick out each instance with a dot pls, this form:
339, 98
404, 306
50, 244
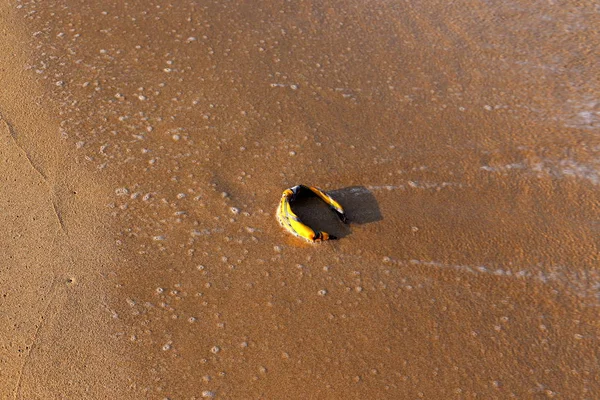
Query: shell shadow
358, 202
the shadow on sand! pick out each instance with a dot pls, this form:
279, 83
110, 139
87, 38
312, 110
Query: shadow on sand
358, 202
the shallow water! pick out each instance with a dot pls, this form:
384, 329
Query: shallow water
464, 138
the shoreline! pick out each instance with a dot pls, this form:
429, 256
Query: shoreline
147, 148
55, 319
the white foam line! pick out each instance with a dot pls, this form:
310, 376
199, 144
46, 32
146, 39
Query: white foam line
387, 187
416, 185
584, 284
554, 168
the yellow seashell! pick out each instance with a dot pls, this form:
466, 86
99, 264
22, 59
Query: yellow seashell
290, 221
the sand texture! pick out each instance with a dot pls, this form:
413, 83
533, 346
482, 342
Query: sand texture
144, 147
55, 339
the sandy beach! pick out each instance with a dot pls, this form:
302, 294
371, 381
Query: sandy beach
144, 147
56, 336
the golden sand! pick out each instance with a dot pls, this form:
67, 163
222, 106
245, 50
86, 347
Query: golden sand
56, 335
146, 146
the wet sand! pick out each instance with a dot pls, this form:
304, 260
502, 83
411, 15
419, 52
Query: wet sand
146, 147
